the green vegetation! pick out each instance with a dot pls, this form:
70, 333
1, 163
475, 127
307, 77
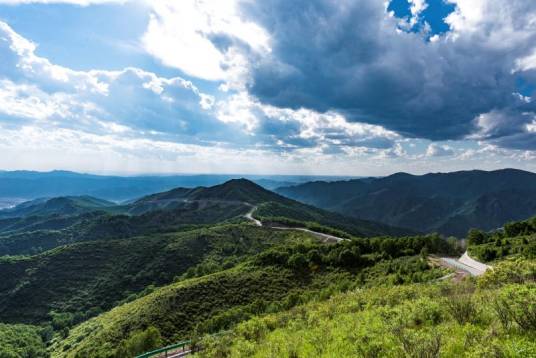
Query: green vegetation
23, 341
447, 203
68, 205
416, 320
494, 315
102, 274
516, 239
190, 266
276, 279
87, 219
294, 214
54, 231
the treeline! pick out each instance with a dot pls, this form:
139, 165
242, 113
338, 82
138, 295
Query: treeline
516, 238
356, 253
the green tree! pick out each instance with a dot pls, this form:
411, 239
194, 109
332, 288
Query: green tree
476, 237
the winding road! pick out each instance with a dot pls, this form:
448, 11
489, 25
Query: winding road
463, 265
325, 237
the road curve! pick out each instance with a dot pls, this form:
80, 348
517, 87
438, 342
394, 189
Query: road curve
466, 264
250, 217
325, 237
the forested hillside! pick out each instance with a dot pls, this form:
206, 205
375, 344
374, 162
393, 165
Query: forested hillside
39, 228
449, 203
277, 279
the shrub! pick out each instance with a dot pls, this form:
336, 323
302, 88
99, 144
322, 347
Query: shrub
417, 345
517, 303
297, 261
476, 237
462, 308
140, 342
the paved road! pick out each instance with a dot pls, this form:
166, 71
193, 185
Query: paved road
250, 217
325, 237
466, 264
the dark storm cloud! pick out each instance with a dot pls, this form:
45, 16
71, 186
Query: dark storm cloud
348, 57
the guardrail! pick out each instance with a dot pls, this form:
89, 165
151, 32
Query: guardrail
166, 351
173, 350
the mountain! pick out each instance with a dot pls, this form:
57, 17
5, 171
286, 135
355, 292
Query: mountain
17, 185
289, 271
235, 190
89, 277
109, 283
448, 203
270, 207
69, 205
45, 224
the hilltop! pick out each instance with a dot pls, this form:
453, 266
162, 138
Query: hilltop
68, 205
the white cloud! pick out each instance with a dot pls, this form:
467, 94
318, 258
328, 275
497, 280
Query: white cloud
526, 63
133, 120
436, 150
416, 8
290, 128
72, 2
183, 34
34, 88
531, 127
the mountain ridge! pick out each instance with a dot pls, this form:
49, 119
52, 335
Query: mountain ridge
422, 201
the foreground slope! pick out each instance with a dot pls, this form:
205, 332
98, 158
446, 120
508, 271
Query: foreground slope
274, 280
449, 203
491, 316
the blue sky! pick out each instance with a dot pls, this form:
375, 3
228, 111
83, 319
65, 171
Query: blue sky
360, 87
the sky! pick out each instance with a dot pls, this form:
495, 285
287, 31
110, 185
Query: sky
318, 87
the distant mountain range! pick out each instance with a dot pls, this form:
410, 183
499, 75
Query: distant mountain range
43, 224
448, 203
17, 185
72, 205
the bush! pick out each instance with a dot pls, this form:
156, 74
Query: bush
517, 304
297, 261
418, 344
140, 342
462, 308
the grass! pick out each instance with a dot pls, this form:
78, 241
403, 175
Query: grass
413, 320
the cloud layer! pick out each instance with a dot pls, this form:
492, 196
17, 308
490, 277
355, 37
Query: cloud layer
297, 83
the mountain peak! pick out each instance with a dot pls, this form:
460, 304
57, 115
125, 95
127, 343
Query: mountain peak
243, 190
